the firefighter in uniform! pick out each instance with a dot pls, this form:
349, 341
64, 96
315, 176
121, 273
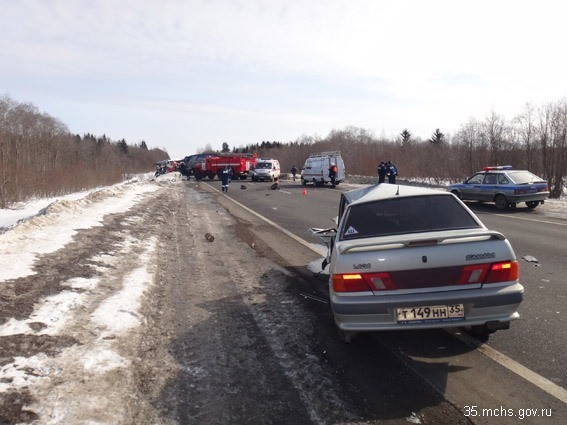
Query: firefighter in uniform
225, 178
333, 174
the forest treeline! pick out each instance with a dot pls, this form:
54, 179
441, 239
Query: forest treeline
39, 157
535, 140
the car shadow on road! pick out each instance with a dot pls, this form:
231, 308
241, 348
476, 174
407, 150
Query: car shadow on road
273, 355
488, 208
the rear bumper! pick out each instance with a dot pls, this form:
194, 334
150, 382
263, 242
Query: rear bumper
529, 198
374, 313
263, 177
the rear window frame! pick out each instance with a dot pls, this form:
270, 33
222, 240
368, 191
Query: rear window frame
404, 226
517, 176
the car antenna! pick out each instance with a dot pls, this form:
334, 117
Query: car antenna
398, 191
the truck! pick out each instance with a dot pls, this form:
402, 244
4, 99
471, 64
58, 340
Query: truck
211, 166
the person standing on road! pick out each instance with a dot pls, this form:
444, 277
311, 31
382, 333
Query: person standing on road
225, 178
333, 174
293, 171
382, 172
392, 172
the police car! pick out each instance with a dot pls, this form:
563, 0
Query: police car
504, 186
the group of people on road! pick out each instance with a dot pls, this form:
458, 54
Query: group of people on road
387, 169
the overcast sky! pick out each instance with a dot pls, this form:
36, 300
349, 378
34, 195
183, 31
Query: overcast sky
183, 74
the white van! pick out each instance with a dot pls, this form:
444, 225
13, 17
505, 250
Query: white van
266, 169
316, 168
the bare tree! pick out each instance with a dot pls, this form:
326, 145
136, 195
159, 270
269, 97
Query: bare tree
553, 135
494, 130
470, 137
526, 131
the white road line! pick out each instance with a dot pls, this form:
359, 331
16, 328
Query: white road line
522, 371
270, 222
529, 219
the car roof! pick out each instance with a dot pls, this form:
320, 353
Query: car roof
387, 191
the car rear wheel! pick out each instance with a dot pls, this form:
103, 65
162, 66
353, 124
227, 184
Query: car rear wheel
532, 204
501, 202
457, 194
482, 332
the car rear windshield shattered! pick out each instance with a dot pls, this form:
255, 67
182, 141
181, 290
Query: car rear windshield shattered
406, 215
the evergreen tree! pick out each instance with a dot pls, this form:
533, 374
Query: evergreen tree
123, 146
437, 138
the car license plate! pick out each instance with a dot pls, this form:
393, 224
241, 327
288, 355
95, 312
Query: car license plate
431, 314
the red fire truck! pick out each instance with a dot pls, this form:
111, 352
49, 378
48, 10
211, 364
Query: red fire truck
241, 165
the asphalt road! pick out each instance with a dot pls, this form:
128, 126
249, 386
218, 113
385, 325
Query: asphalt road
536, 342
539, 338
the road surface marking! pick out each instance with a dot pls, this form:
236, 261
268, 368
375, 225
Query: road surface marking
522, 371
270, 222
527, 219
505, 361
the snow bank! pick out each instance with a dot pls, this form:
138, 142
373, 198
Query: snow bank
55, 225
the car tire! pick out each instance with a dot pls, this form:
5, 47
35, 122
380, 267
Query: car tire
457, 194
532, 204
482, 332
501, 202
303, 182
346, 336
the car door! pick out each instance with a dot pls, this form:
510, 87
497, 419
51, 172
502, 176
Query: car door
471, 187
488, 188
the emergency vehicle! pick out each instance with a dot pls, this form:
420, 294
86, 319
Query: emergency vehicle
316, 168
240, 164
504, 186
266, 169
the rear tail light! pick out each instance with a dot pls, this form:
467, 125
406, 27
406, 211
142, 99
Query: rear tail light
362, 282
489, 273
503, 272
473, 274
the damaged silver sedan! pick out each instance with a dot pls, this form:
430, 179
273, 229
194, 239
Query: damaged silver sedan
404, 257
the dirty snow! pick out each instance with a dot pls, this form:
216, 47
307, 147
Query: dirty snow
44, 226
53, 226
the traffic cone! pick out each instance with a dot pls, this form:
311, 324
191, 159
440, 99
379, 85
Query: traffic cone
304, 191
